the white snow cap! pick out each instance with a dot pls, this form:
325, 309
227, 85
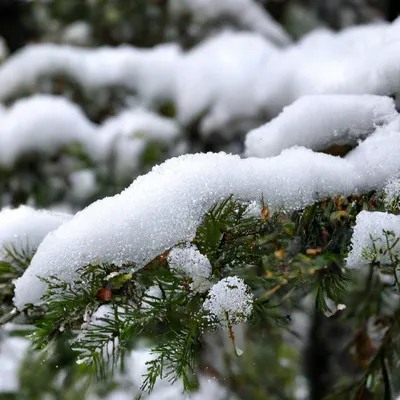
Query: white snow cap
189, 261
229, 301
41, 123
166, 206
320, 121
24, 228
372, 224
247, 13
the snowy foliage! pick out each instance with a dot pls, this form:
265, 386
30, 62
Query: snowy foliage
229, 302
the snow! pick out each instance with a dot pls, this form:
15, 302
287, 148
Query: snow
229, 302
149, 72
223, 72
235, 75
24, 228
41, 123
189, 261
371, 225
392, 192
320, 121
126, 135
12, 351
247, 13
165, 207
46, 123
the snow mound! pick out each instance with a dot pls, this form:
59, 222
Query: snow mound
320, 121
371, 225
23, 229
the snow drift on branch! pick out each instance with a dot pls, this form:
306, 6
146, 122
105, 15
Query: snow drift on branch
145, 71
166, 206
22, 229
320, 121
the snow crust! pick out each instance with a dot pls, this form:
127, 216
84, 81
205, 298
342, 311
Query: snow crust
229, 301
320, 121
372, 224
24, 228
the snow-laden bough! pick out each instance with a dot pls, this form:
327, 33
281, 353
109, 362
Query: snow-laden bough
166, 206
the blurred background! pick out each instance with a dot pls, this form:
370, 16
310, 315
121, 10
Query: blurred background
94, 93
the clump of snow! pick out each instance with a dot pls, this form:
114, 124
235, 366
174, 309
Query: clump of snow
22, 229
320, 121
223, 71
247, 13
189, 261
371, 226
166, 206
12, 351
229, 301
42, 123
149, 72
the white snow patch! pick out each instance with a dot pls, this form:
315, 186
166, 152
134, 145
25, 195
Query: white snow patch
223, 72
370, 225
44, 124
189, 261
23, 229
229, 301
320, 121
